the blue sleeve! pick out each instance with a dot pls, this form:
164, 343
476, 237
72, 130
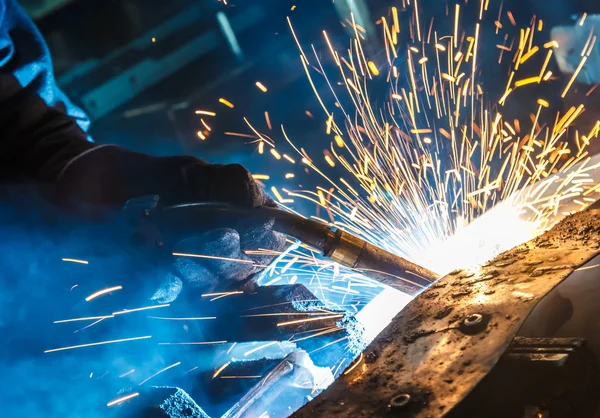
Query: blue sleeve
25, 54
40, 129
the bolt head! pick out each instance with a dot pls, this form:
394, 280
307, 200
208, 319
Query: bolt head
473, 320
400, 401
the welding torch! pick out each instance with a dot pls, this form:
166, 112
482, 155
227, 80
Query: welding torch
179, 222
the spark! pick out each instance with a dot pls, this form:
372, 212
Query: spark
239, 134
213, 257
275, 280
145, 308
159, 372
122, 399
126, 373
261, 86
205, 113
327, 330
226, 103
275, 154
373, 68
525, 81
196, 343
241, 377
74, 260
529, 54
98, 343
208, 128
456, 20
261, 176
199, 318
279, 197
339, 340
282, 314
254, 350
236, 292
588, 267
355, 365
87, 318
90, 325
102, 292
329, 161
299, 321
574, 76
511, 18
220, 369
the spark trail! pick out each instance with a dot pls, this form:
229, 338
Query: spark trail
421, 169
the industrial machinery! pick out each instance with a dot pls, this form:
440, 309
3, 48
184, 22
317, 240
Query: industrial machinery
453, 351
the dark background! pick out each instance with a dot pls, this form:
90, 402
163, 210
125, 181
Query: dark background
97, 42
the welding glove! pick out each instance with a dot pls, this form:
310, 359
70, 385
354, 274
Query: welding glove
251, 246
110, 175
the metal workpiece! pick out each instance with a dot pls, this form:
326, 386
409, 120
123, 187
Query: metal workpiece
554, 377
449, 337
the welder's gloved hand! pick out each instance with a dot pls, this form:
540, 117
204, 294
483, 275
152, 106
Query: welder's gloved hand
239, 253
110, 175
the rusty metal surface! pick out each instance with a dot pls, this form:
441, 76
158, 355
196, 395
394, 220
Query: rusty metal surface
445, 341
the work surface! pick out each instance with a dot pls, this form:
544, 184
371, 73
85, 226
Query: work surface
445, 341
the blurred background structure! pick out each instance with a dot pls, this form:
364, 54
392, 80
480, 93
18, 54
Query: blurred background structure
141, 67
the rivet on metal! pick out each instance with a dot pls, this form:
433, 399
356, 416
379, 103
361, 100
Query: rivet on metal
472, 320
400, 401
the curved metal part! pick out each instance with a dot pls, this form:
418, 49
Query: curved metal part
448, 338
